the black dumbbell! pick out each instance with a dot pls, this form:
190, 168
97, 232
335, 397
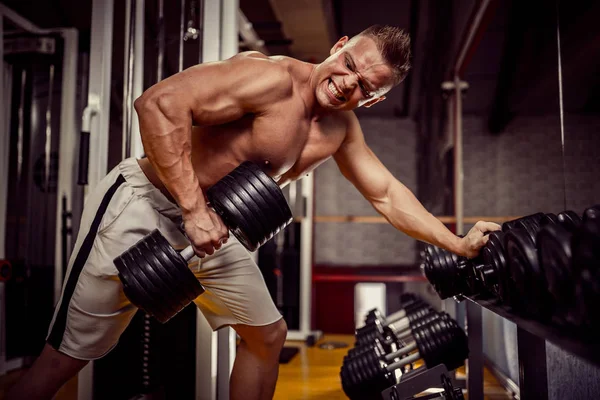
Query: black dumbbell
439, 342
398, 321
585, 245
156, 277
449, 392
406, 299
525, 270
391, 339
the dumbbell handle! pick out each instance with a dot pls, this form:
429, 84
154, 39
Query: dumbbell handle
399, 353
187, 253
400, 325
405, 361
396, 316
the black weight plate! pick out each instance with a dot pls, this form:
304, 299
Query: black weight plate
188, 288
443, 281
264, 210
167, 297
136, 295
554, 252
511, 224
231, 215
161, 310
586, 246
167, 272
250, 232
525, 224
273, 188
522, 255
177, 266
569, 219
145, 288
587, 299
173, 293
261, 229
279, 216
549, 218
592, 212
494, 256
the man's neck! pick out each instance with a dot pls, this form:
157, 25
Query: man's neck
308, 83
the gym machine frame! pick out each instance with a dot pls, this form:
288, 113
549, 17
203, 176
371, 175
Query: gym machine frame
68, 140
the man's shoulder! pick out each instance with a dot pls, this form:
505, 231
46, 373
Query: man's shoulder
265, 70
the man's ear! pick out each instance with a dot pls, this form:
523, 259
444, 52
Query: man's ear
338, 45
372, 102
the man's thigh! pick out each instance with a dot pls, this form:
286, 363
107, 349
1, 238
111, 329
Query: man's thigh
236, 293
93, 310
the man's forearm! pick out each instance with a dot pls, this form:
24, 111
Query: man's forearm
406, 213
166, 135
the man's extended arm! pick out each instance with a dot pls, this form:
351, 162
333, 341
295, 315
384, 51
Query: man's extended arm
206, 94
395, 201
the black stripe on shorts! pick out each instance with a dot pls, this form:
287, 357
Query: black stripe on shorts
58, 329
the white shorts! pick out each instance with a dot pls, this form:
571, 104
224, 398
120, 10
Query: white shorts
93, 311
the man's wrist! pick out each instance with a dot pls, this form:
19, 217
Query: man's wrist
457, 245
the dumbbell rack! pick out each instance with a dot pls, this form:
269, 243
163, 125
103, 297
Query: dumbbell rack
531, 341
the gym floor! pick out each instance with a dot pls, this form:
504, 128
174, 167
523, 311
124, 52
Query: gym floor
312, 374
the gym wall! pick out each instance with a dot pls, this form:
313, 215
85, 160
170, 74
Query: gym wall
358, 244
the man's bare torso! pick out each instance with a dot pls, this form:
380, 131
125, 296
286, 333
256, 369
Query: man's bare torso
287, 140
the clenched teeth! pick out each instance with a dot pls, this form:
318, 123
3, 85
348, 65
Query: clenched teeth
336, 92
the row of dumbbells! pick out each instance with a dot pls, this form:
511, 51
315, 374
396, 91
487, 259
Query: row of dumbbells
386, 348
545, 266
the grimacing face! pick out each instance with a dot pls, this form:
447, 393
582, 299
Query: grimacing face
355, 74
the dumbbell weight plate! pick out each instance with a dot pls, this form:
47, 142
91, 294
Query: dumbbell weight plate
586, 246
548, 218
237, 223
592, 212
165, 275
250, 210
176, 265
270, 215
493, 257
554, 251
280, 213
155, 273
147, 295
445, 282
272, 187
529, 226
569, 219
587, 297
521, 253
508, 225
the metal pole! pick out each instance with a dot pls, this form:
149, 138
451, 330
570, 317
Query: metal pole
128, 63
161, 41
98, 106
229, 29
471, 39
458, 158
181, 34
533, 374
68, 140
475, 361
99, 87
4, 143
137, 80
207, 341
306, 252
